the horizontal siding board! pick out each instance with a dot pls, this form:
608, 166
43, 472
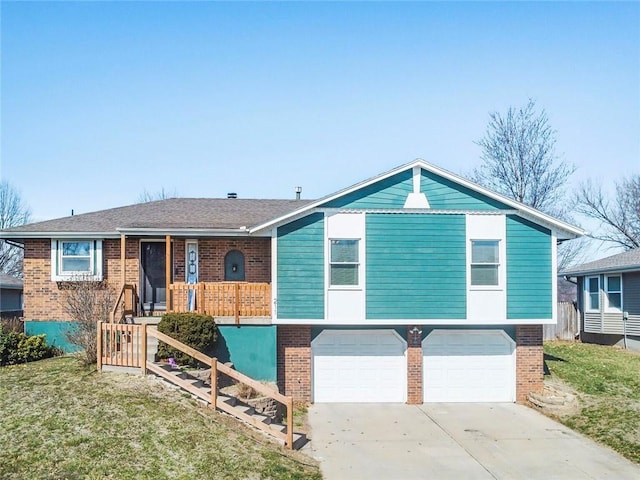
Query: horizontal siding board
387, 193
416, 266
631, 293
592, 323
529, 275
301, 268
612, 323
447, 195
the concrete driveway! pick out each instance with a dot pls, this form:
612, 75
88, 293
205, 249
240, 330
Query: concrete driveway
454, 441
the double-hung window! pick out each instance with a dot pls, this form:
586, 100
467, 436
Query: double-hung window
76, 260
592, 294
614, 293
344, 262
485, 263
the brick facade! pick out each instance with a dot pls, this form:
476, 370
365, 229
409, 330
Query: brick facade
294, 361
414, 367
44, 299
529, 361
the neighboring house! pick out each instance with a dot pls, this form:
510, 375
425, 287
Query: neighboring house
415, 285
10, 296
609, 299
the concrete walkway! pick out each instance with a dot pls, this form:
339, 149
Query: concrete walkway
454, 441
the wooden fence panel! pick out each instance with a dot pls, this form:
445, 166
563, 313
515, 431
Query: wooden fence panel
568, 326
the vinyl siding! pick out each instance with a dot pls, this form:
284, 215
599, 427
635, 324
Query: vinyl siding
529, 280
443, 194
631, 301
301, 268
416, 266
388, 193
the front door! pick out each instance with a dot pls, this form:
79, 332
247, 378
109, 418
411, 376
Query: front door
154, 285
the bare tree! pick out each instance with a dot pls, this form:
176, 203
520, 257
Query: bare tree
519, 160
87, 302
161, 194
619, 219
13, 212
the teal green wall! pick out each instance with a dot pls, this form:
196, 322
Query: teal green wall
529, 285
55, 332
388, 193
251, 349
443, 194
301, 268
416, 266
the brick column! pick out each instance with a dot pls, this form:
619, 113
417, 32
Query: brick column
529, 361
414, 366
294, 361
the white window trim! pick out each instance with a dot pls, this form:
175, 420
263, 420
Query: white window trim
608, 308
587, 297
56, 261
358, 264
501, 255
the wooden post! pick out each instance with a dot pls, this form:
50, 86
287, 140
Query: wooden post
201, 307
123, 259
214, 382
237, 294
168, 270
99, 347
290, 423
143, 348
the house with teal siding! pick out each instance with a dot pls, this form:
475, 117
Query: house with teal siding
415, 285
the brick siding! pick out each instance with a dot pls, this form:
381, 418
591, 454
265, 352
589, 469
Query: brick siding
294, 361
414, 367
44, 299
529, 361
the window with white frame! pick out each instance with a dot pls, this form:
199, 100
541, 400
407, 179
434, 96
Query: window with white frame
485, 263
614, 293
344, 262
76, 260
592, 294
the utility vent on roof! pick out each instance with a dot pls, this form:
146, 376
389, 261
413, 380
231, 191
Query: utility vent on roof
232, 195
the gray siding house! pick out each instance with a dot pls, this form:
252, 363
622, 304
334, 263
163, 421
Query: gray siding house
10, 296
609, 299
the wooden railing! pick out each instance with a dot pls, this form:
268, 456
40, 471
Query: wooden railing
126, 303
118, 344
221, 299
126, 345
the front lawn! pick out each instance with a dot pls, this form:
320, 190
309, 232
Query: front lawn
607, 380
61, 420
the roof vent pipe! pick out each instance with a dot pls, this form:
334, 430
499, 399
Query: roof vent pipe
232, 195
298, 192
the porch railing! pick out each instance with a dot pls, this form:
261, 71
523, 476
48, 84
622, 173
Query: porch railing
126, 345
221, 299
126, 304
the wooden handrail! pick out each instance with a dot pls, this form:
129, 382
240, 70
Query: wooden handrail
218, 367
125, 287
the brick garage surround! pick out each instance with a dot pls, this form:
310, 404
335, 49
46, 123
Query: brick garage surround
414, 367
294, 361
529, 361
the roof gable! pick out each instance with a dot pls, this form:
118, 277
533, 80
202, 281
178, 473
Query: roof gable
449, 192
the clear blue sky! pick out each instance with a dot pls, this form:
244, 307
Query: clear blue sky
101, 101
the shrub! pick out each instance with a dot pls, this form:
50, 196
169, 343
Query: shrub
16, 347
193, 329
12, 324
87, 302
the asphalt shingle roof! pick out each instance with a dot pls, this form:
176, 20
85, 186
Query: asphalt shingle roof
629, 260
173, 213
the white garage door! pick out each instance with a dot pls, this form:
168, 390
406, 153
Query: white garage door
359, 366
468, 366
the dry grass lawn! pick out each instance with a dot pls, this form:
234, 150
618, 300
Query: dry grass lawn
607, 382
61, 420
